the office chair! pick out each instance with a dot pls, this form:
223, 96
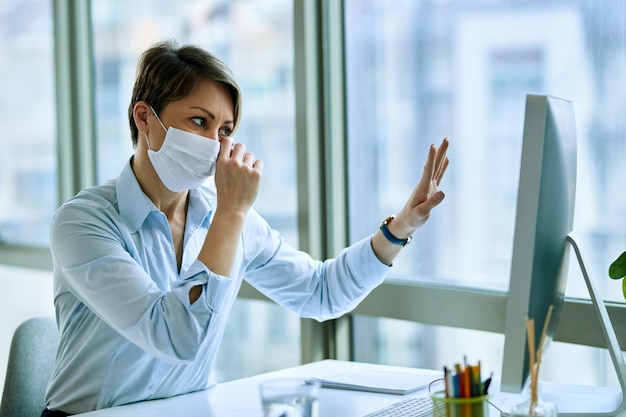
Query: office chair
31, 359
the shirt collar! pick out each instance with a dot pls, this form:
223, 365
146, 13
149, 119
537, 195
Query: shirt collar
135, 206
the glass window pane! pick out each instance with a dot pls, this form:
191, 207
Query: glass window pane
255, 39
28, 172
258, 329
404, 343
424, 70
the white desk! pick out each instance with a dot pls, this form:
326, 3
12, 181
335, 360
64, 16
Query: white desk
241, 398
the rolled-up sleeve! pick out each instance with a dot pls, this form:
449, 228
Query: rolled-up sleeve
96, 262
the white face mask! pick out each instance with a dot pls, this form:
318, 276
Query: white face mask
185, 160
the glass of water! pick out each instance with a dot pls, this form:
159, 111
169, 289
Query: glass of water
290, 397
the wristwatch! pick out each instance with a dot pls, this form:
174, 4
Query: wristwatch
390, 237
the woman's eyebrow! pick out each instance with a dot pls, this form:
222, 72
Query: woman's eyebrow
210, 114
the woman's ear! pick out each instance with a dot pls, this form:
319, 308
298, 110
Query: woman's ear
141, 111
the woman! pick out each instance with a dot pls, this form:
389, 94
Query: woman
147, 266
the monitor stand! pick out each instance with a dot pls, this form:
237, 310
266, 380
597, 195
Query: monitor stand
595, 399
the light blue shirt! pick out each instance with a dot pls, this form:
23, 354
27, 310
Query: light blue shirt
128, 331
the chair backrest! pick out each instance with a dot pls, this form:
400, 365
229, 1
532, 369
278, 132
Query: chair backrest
31, 359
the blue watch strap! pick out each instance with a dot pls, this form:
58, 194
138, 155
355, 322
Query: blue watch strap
390, 237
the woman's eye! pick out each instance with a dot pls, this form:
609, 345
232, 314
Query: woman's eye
225, 131
200, 121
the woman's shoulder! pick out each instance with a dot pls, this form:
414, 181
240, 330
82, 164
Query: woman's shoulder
100, 195
97, 198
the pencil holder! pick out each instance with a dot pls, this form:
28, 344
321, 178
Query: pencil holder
460, 407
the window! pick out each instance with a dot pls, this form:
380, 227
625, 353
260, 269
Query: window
28, 172
424, 70
255, 40
413, 74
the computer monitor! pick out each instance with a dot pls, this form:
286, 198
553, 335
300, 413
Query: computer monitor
544, 217
542, 240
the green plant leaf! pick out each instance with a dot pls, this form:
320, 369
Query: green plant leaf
624, 288
617, 269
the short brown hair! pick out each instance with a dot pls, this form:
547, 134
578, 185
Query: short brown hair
167, 72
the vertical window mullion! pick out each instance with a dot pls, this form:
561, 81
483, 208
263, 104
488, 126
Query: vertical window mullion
335, 146
321, 145
309, 149
74, 96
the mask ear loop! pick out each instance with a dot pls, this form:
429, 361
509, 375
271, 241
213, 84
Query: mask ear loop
160, 122
147, 141
157, 117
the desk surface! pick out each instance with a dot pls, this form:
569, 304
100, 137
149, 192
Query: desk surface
241, 398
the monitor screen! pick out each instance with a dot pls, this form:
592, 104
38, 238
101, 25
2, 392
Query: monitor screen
544, 217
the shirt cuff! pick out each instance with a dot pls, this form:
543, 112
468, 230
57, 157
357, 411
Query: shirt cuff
365, 264
215, 287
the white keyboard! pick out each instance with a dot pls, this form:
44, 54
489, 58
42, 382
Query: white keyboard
411, 407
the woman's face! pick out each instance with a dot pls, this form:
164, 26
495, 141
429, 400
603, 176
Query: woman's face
207, 111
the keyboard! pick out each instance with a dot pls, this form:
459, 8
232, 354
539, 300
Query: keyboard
411, 407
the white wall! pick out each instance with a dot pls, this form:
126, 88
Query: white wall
25, 293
